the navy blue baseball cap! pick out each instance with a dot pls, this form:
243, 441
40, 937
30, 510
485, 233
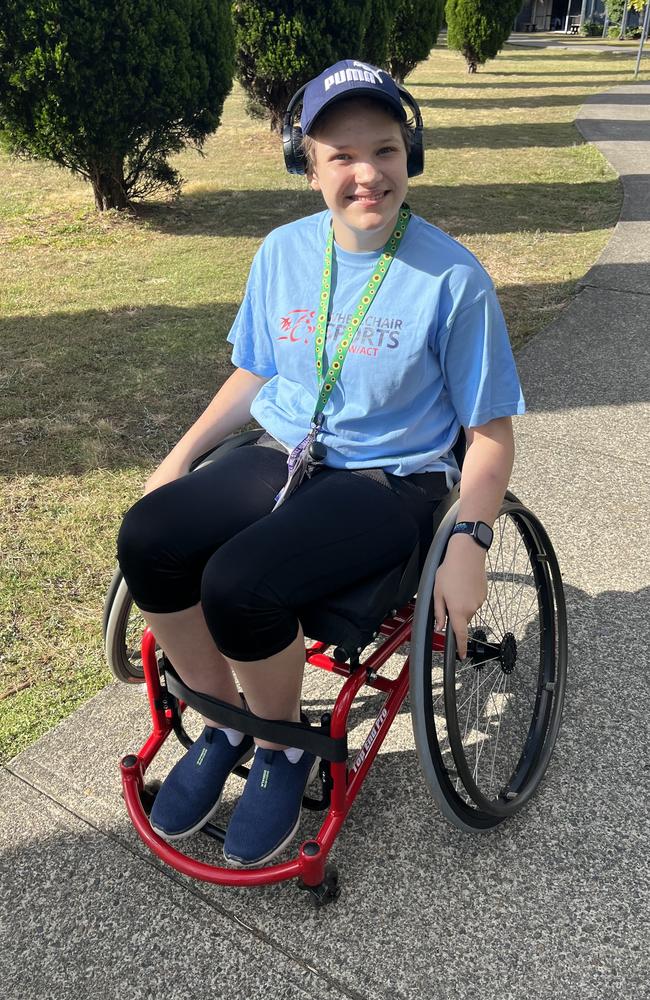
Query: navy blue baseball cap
348, 78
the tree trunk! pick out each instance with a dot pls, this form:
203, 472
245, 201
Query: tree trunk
471, 59
109, 187
277, 118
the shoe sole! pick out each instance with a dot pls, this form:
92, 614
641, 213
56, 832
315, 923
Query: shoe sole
285, 843
172, 837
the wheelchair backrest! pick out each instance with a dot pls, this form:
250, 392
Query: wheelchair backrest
249, 437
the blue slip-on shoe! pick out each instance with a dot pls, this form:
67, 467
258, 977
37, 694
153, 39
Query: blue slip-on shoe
267, 816
190, 794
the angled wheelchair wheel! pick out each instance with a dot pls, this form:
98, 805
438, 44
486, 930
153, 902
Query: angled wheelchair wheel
122, 627
503, 703
485, 726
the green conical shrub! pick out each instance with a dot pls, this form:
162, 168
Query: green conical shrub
479, 28
110, 88
282, 44
413, 35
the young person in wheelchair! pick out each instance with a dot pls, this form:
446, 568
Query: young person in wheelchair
366, 340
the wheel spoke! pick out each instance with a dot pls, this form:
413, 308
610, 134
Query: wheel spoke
475, 733
483, 681
524, 642
534, 601
487, 736
495, 592
496, 744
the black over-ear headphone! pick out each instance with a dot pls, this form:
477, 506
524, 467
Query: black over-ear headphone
294, 158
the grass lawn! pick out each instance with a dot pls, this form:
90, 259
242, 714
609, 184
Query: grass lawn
113, 328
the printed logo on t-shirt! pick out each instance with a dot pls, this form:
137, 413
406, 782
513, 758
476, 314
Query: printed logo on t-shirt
378, 333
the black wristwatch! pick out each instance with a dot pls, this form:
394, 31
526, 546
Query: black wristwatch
480, 531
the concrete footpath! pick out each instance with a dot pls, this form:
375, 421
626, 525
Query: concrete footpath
555, 903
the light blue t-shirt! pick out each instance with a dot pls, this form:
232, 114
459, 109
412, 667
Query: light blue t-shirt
432, 353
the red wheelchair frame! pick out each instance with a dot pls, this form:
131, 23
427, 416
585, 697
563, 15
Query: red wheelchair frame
310, 866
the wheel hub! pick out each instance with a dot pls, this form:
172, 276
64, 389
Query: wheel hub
508, 653
478, 648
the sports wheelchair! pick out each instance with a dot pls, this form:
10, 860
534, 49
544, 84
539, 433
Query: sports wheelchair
484, 726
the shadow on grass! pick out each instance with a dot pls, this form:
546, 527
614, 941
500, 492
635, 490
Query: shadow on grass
537, 101
106, 389
506, 135
609, 71
110, 390
461, 209
521, 135
581, 80
230, 213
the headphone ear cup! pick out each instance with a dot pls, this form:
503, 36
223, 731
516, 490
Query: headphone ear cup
294, 158
415, 160
299, 157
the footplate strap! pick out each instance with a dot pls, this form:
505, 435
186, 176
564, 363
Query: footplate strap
292, 734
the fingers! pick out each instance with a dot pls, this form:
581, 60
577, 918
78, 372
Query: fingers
459, 625
457, 622
439, 610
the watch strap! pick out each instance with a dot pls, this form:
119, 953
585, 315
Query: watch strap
480, 531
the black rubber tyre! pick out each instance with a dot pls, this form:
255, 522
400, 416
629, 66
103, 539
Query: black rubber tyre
427, 702
434, 692
123, 627
503, 702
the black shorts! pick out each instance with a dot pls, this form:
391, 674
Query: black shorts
212, 537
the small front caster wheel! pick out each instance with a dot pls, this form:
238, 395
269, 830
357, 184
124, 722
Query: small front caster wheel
148, 795
328, 890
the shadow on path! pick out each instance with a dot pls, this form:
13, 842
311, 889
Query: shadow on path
640, 100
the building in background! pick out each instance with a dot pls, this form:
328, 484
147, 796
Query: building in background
551, 15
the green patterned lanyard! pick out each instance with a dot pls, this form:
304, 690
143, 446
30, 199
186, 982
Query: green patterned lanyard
327, 383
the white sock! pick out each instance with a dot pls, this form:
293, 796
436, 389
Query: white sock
293, 755
234, 736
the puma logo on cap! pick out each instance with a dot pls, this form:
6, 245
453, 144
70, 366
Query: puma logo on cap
359, 72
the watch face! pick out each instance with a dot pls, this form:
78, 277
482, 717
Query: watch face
483, 534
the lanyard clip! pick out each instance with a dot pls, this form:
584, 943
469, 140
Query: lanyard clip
316, 450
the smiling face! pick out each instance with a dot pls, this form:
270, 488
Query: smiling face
358, 163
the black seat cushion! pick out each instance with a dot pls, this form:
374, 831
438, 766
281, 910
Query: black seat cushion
351, 617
